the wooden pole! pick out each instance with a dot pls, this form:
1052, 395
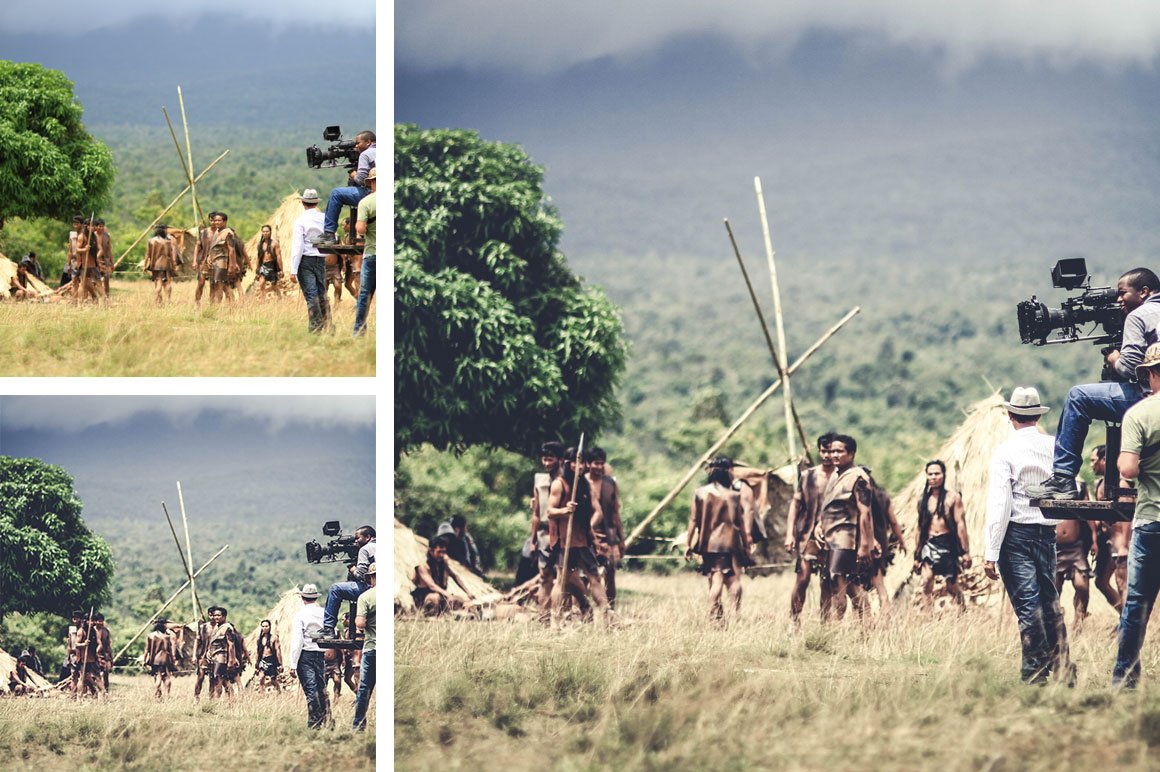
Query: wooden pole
562, 578
189, 150
173, 531
768, 340
733, 430
777, 317
165, 605
85, 655
184, 167
189, 546
165, 211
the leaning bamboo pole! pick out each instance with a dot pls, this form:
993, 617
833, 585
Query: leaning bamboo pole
184, 166
165, 211
777, 316
768, 340
189, 548
165, 605
733, 429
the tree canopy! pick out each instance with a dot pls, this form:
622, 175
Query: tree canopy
497, 342
49, 560
49, 165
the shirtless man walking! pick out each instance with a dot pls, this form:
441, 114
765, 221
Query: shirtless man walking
606, 522
942, 545
161, 656
562, 505
161, 262
269, 263
719, 531
800, 522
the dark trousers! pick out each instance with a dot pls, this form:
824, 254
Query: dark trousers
366, 291
1027, 565
312, 280
366, 686
312, 676
1143, 584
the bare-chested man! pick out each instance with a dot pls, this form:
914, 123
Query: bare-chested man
606, 523
1119, 534
105, 253
1073, 541
847, 526
218, 258
90, 252
18, 285
89, 642
551, 459
161, 656
269, 263
161, 262
562, 505
719, 531
1102, 547
222, 653
801, 520
269, 658
72, 264
942, 545
431, 581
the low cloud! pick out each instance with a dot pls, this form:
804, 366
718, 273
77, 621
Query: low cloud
546, 36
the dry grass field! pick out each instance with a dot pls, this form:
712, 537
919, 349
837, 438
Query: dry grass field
132, 730
668, 690
133, 337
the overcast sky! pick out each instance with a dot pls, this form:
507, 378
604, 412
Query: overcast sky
535, 37
75, 16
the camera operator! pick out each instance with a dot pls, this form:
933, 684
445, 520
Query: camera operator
1138, 294
364, 537
364, 143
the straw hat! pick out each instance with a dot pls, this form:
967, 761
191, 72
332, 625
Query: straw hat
1025, 401
1151, 359
309, 196
309, 591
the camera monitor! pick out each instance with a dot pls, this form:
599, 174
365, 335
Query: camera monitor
1069, 273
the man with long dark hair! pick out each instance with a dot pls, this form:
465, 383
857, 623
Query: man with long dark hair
719, 531
942, 545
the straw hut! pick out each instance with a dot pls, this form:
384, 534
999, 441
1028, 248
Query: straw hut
8, 270
967, 455
773, 496
410, 551
8, 665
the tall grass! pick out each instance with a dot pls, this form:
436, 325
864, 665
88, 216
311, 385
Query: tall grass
132, 336
132, 730
670, 690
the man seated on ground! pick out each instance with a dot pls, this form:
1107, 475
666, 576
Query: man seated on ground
30, 262
18, 285
364, 537
430, 594
1137, 292
19, 682
942, 546
460, 546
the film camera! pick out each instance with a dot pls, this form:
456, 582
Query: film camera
340, 548
1098, 307
340, 153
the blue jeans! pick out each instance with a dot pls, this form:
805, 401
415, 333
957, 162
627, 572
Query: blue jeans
366, 685
1027, 565
1143, 584
340, 591
340, 197
1086, 403
312, 280
366, 290
312, 676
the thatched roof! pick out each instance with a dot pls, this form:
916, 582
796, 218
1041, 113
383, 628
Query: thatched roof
967, 455
8, 665
410, 551
8, 270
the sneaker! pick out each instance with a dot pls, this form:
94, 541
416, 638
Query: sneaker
1054, 488
324, 239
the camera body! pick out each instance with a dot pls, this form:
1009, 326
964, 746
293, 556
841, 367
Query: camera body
1099, 307
341, 152
340, 548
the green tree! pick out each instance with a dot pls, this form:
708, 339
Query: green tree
49, 165
49, 559
497, 342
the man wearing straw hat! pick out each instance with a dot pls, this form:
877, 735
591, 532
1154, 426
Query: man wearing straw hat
1139, 442
307, 264
307, 658
1020, 542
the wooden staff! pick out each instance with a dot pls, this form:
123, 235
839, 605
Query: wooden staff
777, 316
173, 531
768, 340
172, 204
189, 150
200, 215
165, 605
189, 546
561, 581
85, 655
733, 429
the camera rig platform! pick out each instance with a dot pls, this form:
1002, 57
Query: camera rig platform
1120, 509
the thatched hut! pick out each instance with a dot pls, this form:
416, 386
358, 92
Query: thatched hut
967, 455
410, 551
8, 269
8, 665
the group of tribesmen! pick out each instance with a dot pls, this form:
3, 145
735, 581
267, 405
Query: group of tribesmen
219, 657
841, 526
220, 260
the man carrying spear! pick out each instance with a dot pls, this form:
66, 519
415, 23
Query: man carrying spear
570, 534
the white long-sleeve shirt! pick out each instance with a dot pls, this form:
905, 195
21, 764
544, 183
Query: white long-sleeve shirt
1024, 459
306, 627
307, 227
